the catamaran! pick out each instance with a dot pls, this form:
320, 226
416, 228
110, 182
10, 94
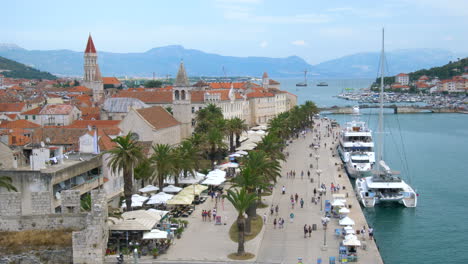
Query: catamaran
383, 185
356, 147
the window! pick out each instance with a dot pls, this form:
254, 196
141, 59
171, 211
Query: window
182, 95
193, 109
176, 94
34, 117
193, 122
134, 136
26, 117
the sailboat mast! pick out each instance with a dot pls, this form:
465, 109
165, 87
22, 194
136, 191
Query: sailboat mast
381, 101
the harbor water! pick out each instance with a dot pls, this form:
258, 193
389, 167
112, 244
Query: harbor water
436, 150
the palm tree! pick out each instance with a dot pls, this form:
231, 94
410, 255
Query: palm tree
207, 116
191, 154
214, 144
272, 146
125, 156
238, 126
230, 133
241, 200
5, 182
162, 163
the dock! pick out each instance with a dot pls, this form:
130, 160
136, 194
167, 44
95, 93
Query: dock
397, 109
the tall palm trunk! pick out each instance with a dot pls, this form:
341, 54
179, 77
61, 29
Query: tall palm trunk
240, 236
231, 142
237, 140
128, 189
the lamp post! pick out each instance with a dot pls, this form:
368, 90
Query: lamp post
317, 157
318, 173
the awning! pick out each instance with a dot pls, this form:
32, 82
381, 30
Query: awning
190, 179
155, 234
195, 189
160, 198
138, 220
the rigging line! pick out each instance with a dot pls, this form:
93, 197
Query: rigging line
404, 151
398, 152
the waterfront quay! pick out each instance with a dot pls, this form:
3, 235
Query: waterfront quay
205, 242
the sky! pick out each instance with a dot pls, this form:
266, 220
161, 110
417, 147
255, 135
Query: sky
314, 30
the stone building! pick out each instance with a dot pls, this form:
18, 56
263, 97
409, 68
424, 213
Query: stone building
92, 75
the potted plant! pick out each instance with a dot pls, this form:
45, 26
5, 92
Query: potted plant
155, 252
179, 231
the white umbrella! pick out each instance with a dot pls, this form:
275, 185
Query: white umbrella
213, 181
338, 203
149, 188
137, 201
160, 198
242, 152
172, 189
351, 241
346, 221
344, 210
235, 155
155, 234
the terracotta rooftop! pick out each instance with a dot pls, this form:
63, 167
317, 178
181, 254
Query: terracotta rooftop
11, 107
21, 123
79, 89
158, 117
106, 143
402, 74
273, 82
56, 109
34, 111
110, 80
92, 123
58, 135
90, 113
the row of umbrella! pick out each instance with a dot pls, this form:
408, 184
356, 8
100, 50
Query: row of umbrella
350, 237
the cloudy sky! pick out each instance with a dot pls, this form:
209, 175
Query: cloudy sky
314, 30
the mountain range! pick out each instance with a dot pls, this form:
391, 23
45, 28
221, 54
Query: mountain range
165, 60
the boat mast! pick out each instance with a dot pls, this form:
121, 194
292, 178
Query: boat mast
380, 128
305, 76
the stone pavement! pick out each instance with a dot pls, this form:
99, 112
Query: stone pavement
288, 244
204, 242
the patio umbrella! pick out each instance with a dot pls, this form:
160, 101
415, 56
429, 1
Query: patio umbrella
137, 201
338, 203
344, 210
195, 189
351, 240
160, 198
149, 188
347, 221
235, 155
242, 152
172, 189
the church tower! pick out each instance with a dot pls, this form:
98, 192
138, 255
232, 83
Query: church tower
182, 102
265, 80
92, 75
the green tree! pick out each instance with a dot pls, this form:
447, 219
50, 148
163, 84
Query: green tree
85, 202
6, 182
241, 200
125, 156
153, 84
162, 163
214, 144
238, 126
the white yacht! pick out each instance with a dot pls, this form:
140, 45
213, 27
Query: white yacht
383, 185
356, 147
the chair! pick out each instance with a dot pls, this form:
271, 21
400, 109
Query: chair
337, 232
319, 260
332, 260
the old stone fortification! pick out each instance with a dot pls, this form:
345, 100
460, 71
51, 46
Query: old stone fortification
53, 256
89, 243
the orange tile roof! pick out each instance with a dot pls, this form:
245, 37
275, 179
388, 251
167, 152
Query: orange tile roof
16, 87
11, 107
402, 74
227, 85
56, 109
273, 82
21, 123
153, 97
34, 111
110, 80
106, 143
197, 96
90, 45
158, 117
88, 113
12, 116
258, 94
79, 89
96, 123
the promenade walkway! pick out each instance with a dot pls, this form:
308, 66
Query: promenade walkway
286, 245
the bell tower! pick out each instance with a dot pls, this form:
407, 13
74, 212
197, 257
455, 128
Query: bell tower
182, 102
92, 75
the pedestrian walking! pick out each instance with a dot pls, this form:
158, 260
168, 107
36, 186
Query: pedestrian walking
371, 233
274, 223
291, 217
302, 203
208, 215
315, 192
305, 230
363, 233
271, 210
264, 218
283, 189
292, 203
302, 175
296, 197
308, 173
203, 215
277, 209
310, 230
214, 214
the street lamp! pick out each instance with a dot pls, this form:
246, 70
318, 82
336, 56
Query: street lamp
318, 173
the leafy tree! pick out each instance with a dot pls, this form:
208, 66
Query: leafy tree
85, 202
6, 182
125, 156
241, 200
153, 84
238, 126
169, 109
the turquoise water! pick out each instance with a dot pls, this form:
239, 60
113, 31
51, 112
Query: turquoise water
436, 148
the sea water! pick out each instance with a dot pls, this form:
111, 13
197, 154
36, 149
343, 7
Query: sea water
435, 148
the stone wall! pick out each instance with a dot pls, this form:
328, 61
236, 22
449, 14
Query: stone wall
89, 244
50, 256
71, 202
10, 204
41, 203
46, 222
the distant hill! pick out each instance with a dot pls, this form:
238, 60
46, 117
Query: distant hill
444, 72
165, 60
365, 65
13, 69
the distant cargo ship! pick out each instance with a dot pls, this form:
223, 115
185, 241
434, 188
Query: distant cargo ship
322, 84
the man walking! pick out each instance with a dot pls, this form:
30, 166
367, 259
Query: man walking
302, 203
305, 231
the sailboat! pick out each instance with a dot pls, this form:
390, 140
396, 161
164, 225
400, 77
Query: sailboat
305, 80
383, 185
